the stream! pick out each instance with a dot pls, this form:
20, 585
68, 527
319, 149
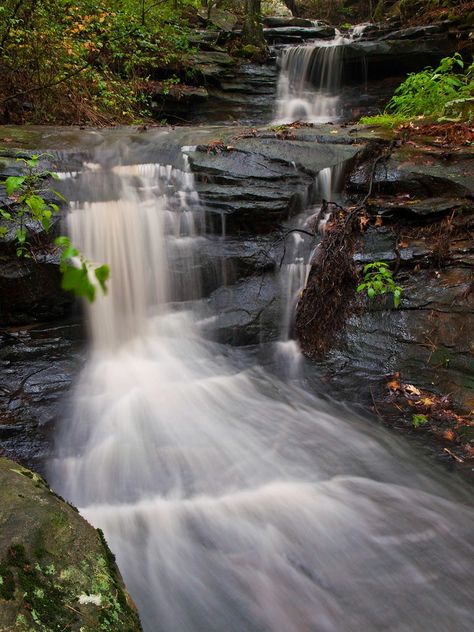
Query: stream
233, 499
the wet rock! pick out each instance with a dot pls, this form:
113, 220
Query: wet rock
413, 207
295, 34
399, 176
415, 32
57, 571
243, 182
38, 364
30, 289
282, 22
245, 313
392, 57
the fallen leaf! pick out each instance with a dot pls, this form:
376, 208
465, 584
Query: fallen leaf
363, 221
412, 390
426, 401
378, 220
449, 435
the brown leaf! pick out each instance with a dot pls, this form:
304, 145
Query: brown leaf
449, 435
363, 221
412, 390
378, 220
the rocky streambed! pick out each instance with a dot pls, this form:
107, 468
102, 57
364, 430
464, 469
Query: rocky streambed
416, 216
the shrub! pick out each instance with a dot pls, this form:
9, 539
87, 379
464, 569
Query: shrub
429, 93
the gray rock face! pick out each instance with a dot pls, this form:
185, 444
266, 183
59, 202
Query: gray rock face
296, 34
56, 570
423, 202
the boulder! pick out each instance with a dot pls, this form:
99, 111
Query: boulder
56, 571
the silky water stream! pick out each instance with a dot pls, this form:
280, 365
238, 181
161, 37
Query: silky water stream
236, 502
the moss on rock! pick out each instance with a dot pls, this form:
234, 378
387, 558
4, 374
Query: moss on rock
56, 571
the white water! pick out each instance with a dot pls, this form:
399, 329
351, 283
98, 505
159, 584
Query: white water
300, 249
309, 82
233, 501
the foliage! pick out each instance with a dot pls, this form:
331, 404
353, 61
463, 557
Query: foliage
88, 60
27, 194
378, 280
428, 93
419, 420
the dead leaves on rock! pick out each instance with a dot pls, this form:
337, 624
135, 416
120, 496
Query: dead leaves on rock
443, 422
217, 146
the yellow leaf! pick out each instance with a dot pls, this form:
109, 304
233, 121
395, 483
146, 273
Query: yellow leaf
412, 390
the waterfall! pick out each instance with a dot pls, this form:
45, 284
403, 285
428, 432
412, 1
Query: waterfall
300, 249
309, 82
232, 500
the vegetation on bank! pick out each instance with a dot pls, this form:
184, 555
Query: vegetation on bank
100, 62
87, 60
445, 93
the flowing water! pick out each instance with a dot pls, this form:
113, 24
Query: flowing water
300, 248
235, 501
309, 82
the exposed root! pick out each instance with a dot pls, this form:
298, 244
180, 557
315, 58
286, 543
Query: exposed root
329, 296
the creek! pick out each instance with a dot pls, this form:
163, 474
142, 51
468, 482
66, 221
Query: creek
233, 499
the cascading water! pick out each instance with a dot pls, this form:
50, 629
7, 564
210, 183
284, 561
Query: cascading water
296, 264
233, 501
309, 82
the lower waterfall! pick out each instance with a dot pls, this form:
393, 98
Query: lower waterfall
232, 500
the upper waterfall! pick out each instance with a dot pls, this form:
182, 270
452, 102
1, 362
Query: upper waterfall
309, 82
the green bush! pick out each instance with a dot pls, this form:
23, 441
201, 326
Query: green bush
429, 93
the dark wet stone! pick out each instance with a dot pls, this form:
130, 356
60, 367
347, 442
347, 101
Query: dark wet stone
277, 22
371, 59
30, 291
293, 34
398, 177
38, 364
247, 312
425, 208
415, 32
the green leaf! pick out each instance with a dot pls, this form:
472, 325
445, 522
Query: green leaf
77, 280
58, 195
361, 287
102, 274
371, 292
5, 214
396, 297
62, 240
3, 231
13, 183
37, 205
20, 235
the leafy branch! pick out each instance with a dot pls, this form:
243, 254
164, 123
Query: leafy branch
26, 193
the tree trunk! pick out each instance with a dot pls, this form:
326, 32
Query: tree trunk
253, 31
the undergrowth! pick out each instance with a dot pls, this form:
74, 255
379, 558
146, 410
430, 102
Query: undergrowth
442, 93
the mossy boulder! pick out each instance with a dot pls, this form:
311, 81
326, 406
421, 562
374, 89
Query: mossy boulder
56, 570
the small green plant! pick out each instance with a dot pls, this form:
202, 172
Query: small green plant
26, 193
419, 420
378, 280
